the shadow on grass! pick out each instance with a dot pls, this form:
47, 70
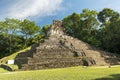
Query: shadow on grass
110, 77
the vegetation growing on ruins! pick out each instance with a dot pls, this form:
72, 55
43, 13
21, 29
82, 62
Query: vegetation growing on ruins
100, 29
12, 56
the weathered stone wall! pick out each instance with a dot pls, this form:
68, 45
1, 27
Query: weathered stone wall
57, 23
60, 50
54, 58
56, 28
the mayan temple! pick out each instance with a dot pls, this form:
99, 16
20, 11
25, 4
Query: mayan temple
60, 50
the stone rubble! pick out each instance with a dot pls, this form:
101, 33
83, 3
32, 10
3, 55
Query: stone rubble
61, 50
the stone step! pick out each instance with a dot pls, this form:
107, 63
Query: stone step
57, 55
96, 55
49, 60
49, 65
22, 60
113, 61
24, 54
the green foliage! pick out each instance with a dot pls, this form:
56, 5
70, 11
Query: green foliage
109, 34
12, 56
29, 29
112, 37
8, 30
82, 26
38, 38
16, 35
71, 24
4, 60
100, 29
107, 15
45, 30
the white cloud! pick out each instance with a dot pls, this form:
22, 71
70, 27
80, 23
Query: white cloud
33, 8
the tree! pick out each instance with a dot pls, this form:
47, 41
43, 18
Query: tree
4, 46
28, 30
16, 35
44, 30
9, 30
82, 26
71, 24
106, 16
88, 19
110, 30
89, 25
111, 37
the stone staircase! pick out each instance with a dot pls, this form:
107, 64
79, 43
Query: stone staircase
100, 57
60, 50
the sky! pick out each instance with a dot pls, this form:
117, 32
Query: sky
45, 11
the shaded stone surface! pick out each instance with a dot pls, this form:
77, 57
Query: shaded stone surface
6, 67
60, 50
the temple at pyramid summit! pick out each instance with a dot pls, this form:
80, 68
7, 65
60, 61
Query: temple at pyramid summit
60, 50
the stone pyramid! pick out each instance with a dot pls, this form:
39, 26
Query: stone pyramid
60, 50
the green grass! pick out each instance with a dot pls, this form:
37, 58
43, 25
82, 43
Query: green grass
2, 70
11, 57
13, 67
72, 73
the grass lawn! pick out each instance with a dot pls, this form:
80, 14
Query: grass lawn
2, 70
71, 73
11, 57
